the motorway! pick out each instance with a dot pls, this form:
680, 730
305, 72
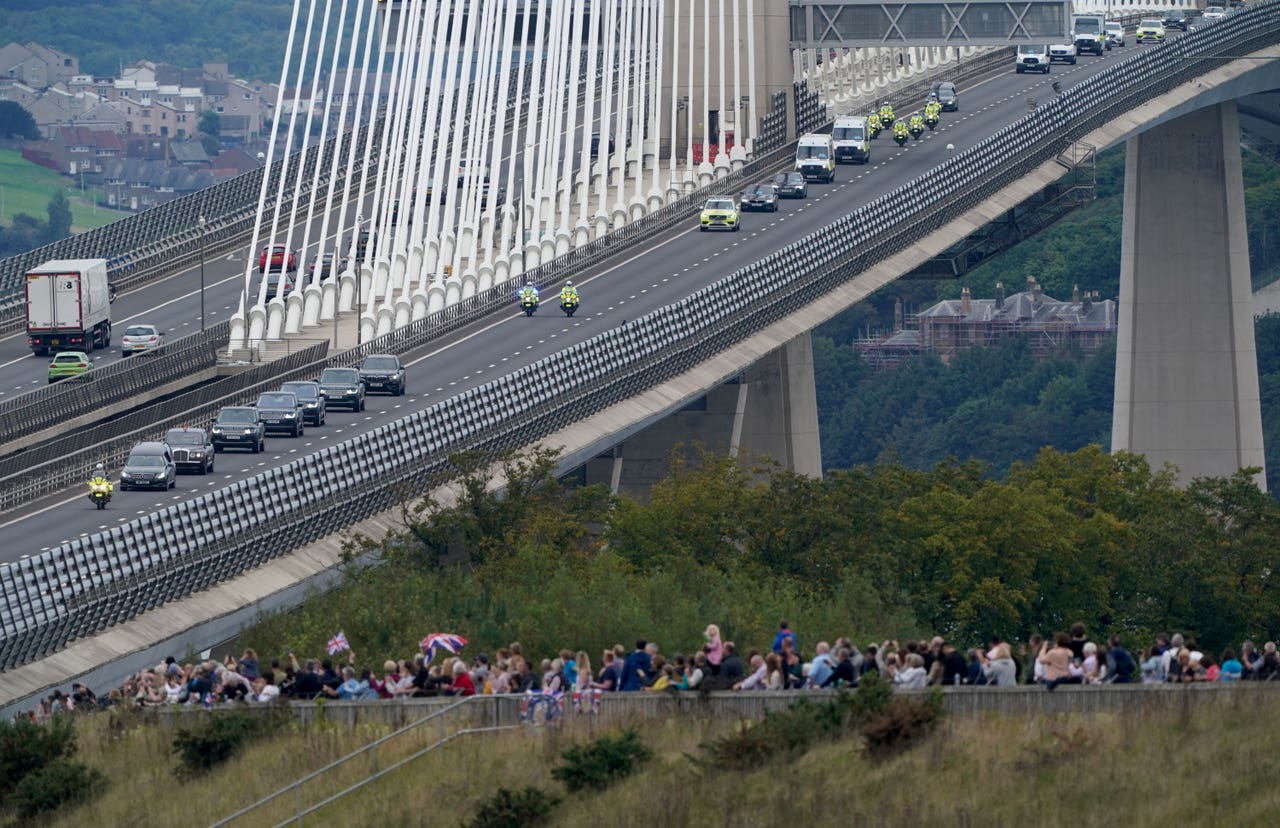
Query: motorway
667, 269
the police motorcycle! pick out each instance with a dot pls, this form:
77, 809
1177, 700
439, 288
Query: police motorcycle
568, 299
932, 111
900, 133
886, 116
100, 488
528, 298
873, 126
915, 125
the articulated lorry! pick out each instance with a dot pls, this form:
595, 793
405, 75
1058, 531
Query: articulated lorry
68, 306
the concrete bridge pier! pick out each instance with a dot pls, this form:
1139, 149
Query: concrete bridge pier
1186, 367
770, 409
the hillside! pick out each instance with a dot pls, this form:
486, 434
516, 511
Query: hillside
247, 34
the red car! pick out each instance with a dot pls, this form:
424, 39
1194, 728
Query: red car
281, 259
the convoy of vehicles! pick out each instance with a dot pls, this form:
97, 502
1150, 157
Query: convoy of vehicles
68, 306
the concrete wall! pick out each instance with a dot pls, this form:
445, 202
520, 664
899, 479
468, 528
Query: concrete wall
1186, 387
620, 708
769, 411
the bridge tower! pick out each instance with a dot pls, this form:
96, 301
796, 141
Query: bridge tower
1186, 387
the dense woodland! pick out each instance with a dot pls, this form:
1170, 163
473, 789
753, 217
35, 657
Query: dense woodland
999, 405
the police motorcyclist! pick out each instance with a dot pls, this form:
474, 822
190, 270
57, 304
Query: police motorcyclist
915, 124
528, 292
100, 478
900, 132
886, 114
568, 294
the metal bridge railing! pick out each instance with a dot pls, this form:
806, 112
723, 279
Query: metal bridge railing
91, 583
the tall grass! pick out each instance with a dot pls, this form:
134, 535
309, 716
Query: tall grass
1216, 767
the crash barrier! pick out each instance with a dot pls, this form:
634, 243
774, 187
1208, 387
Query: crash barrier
57, 464
91, 583
145, 246
122, 380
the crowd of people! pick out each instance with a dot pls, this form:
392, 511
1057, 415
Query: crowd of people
1064, 658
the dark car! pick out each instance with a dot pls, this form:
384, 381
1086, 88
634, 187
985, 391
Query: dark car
314, 406
342, 386
326, 265
791, 184
192, 449
946, 93
150, 466
383, 372
1174, 19
761, 197
238, 426
282, 411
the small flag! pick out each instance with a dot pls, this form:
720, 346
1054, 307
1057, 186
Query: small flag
337, 644
448, 642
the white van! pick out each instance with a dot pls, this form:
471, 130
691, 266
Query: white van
816, 157
851, 139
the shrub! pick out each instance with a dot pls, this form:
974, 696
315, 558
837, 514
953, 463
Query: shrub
216, 738
26, 747
807, 723
56, 784
514, 809
901, 724
603, 762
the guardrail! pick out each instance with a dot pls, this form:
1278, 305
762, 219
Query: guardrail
94, 582
149, 245
38, 410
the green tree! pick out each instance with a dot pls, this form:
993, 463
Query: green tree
17, 122
210, 123
59, 209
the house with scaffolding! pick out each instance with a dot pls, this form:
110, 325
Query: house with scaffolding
952, 325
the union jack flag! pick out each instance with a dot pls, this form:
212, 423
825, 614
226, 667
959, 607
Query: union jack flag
337, 644
448, 642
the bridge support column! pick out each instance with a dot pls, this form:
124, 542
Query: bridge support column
1186, 368
770, 410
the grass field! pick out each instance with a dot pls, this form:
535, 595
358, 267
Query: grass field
27, 188
1218, 766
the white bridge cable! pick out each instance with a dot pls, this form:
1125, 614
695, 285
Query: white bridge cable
258, 316
450, 136
349, 279
294, 302
237, 320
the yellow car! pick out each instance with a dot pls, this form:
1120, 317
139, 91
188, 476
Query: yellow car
69, 364
1152, 30
719, 213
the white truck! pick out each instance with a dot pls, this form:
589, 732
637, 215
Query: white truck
1089, 33
68, 306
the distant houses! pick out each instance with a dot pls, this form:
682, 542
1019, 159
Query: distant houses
137, 138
